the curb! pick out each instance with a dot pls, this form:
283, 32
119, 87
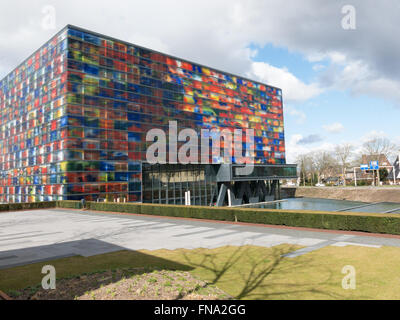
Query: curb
3, 296
273, 226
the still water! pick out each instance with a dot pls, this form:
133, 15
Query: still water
328, 205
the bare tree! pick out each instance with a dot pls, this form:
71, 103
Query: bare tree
377, 146
301, 162
311, 166
325, 164
304, 162
318, 163
343, 153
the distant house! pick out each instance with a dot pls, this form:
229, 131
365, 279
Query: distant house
383, 163
368, 175
381, 158
396, 166
349, 174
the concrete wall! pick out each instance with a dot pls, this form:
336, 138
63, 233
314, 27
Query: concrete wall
365, 194
287, 192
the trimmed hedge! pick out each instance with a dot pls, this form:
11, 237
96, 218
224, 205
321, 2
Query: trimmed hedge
69, 204
365, 222
224, 214
114, 207
27, 206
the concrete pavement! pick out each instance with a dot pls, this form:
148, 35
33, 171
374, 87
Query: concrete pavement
40, 235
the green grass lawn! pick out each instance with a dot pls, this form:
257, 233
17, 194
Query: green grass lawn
247, 272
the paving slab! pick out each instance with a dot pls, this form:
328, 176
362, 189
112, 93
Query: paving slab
40, 235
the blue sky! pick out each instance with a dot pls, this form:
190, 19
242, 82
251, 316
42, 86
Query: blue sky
335, 116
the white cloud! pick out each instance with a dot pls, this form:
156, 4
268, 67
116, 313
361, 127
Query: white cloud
357, 77
295, 113
337, 57
294, 148
220, 34
318, 67
334, 127
293, 88
372, 135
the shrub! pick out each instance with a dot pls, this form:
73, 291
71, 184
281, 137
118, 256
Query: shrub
114, 207
69, 204
377, 223
366, 222
4, 207
27, 206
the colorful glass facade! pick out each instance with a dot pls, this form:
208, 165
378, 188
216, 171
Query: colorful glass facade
74, 116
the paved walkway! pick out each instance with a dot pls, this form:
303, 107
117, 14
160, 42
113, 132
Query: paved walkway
40, 235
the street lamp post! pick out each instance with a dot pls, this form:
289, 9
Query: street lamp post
355, 177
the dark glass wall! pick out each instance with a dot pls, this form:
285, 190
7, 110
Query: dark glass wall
167, 184
268, 172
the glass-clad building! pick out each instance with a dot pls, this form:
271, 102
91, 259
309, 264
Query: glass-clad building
75, 114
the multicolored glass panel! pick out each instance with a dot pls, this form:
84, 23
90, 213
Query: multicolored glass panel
74, 116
